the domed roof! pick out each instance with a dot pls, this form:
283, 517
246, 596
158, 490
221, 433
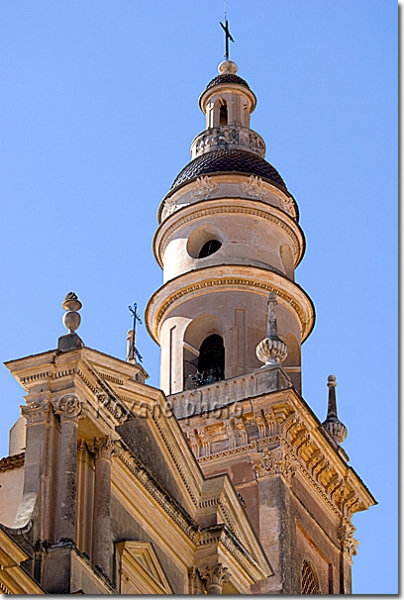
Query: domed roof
227, 78
228, 160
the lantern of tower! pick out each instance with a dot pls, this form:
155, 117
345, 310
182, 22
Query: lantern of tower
228, 235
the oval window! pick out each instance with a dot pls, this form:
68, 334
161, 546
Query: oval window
209, 248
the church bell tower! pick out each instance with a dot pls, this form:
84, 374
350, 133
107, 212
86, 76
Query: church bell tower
228, 235
230, 321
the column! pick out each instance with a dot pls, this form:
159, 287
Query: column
102, 551
69, 408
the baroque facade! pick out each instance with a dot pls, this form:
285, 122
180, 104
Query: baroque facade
224, 480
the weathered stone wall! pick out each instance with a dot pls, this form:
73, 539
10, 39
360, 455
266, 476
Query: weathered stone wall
126, 527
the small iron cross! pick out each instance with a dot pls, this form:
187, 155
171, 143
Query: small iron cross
136, 318
228, 36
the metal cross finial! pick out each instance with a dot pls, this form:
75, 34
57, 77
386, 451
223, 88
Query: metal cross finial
227, 34
133, 350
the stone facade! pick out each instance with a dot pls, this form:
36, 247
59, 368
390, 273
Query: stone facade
224, 481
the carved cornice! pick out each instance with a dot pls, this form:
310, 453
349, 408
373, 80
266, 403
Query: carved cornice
35, 377
230, 452
175, 460
103, 393
221, 534
251, 278
270, 213
291, 448
126, 457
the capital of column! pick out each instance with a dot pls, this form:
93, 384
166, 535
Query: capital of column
215, 576
35, 412
68, 406
103, 447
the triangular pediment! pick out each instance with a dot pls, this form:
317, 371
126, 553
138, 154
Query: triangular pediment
141, 570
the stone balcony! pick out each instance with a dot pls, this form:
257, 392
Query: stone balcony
211, 397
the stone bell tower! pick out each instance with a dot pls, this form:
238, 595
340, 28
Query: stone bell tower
229, 242
228, 235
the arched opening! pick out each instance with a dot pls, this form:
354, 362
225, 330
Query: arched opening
210, 247
198, 352
211, 359
309, 579
223, 118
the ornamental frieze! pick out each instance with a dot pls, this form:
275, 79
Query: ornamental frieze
276, 462
255, 188
228, 136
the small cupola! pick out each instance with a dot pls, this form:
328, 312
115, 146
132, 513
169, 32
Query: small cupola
227, 99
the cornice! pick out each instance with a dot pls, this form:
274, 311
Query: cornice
221, 177
236, 277
226, 206
185, 523
290, 444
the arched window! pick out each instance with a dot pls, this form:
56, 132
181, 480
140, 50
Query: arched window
211, 359
309, 579
223, 114
209, 248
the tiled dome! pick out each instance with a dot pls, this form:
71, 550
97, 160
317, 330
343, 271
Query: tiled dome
227, 78
228, 160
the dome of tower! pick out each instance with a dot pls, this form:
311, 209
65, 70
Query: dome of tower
227, 78
228, 160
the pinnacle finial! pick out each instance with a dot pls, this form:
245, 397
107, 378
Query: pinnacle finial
272, 350
71, 319
332, 424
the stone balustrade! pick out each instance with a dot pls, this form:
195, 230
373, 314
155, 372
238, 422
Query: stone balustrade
228, 136
209, 397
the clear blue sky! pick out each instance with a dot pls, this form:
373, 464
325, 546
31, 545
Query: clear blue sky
98, 108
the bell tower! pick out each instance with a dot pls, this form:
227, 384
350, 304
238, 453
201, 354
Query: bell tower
228, 235
229, 242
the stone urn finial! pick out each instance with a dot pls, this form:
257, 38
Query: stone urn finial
272, 350
71, 319
332, 424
